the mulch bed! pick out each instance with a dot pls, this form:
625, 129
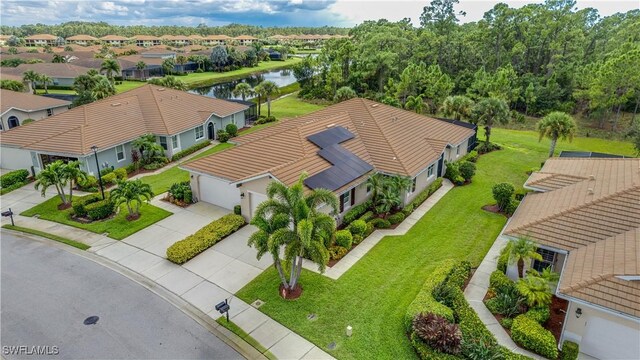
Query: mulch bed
176, 202
494, 209
290, 295
64, 206
558, 313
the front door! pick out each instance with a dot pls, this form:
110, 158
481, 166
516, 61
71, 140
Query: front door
441, 166
210, 131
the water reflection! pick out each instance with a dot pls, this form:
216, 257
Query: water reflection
282, 78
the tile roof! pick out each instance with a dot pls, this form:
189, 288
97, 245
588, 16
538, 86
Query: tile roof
54, 70
118, 119
27, 102
82, 37
218, 37
41, 37
114, 37
245, 37
589, 207
382, 138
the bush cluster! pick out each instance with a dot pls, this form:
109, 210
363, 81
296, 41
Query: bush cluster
501, 283
570, 350
231, 129
358, 227
503, 258
184, 250
223, 136
89, 184
529, 334
153, 166
190, 150
12, 178
337, 252
438, 333
93, 207
460, 172
380, 223
503, 194
237, 210
355, 212
262, 119
344, 238
471, 156
540, 314
425, 302
182, 191
424, 195
396, 218
366, 217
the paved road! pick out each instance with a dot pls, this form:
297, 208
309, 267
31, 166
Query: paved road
47, 293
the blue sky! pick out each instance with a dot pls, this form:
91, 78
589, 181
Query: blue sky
254, 12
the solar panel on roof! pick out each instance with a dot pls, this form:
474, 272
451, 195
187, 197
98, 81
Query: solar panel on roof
587, 154
346, 165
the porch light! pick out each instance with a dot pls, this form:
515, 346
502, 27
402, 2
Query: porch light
578, 312
241, 195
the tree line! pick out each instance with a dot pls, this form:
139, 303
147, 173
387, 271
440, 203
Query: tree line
538, 59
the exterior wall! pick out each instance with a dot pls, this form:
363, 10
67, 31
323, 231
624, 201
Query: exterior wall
63, 81
23, 115
450, 153
423, 180
14, 159
257, 186
221, 123
361, 196
107, 158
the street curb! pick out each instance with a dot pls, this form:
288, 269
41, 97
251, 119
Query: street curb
228, 337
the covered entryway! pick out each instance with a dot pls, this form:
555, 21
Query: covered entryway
218, 192
211, 133
254, 200
606, 339
13, 122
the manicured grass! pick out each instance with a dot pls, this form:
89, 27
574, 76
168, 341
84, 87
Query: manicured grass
57, 91
57, 238
117, 228
290, 106
194, 80
161, 182
129, 85
229, 325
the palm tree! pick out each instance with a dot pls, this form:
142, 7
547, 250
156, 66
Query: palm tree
31, 76
259, 91
242, 89
523, 249
103, 88
74, 175
168, 65
129, 192
556, 125
458, 106
344, 93
376, 182
400, 183
536, 290
45, 80
489, 111
57, 58
387, 200
181, 60
140, 66
290, 218
415, 103
170, 81
53, 174
270, 89
110, 66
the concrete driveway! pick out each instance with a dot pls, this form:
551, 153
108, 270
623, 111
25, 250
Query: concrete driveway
24, 198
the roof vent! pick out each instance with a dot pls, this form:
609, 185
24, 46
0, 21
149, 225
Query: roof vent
592, 177
331, 125
374, 105
590, 191
161, 89
115, 104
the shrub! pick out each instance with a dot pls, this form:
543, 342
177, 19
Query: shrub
223, 136
396, 218
570, 350
356, 211
425, 352
344, 238
109, 179
153, 166
507, 304
358, 227
425, 302
467, 170
237, 210
438, 333
14, 177
370, 229
100, 209
424, 195
503, 258
539, 313
131, 167
380, 223
503, 193
452, 170
106, 171
89, 184
529, 334
512, 207
501, 283
459, 274
471, 156
231, 129
481, 350
506, 322
337, 252
181, 191
357, 239
79, 205
184, 250
120, 173
366, 217
407, 210
190, 150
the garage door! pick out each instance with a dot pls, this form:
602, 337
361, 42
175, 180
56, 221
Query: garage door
13, 159
605, 339
218, 192
255, 200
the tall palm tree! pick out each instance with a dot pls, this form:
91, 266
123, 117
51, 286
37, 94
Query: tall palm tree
181, 60
415, 103
556, 125
376, 182
259, 91
523, 249
242, 89
129, 192
490, 111
31, 77
53, 175
74, 175
110, 67
45, 80
140, 66
290, 218
400, 183
458, 106
103, 88
387, 200
270, 89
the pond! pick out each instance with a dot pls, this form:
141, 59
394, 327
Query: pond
281, 77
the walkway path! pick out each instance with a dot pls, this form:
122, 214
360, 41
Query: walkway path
477, 288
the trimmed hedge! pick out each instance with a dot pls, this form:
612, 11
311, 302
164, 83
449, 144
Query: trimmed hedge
570, 350
424, 301
344, 239
355, 212
358, 227
186, 249
503, 258
501, 283
13, 178
529, 334
337, 252
100, 209
380, 223
190, 150
426, 352
396, 218
422, 197
366, 217
540, 314
79, 205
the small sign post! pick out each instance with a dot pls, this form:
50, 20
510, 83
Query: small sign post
9, 213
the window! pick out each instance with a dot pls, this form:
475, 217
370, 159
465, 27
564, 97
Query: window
163, 142
369, 188
13, 122
414, 182
120, 153
431, 170
49, 112
347, 199
174, 142
548, 259
199, 132
457, 150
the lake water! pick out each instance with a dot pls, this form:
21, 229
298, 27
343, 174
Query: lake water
281, 77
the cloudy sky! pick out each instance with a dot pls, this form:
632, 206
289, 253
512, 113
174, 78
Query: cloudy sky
254, 12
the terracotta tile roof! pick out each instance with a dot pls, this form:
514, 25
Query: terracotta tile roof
41, 37
218, 37
381, 139
113, 38
54, 70
118, 119
592, 273
82, 38
245, 37
27, 102
195, 37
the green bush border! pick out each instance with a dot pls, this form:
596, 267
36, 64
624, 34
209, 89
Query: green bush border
529, 334
190, 150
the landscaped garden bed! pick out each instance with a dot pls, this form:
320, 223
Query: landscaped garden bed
14, 180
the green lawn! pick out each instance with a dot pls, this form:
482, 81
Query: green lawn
194, 80
57, 238
129, 85
374, 294
290, 106
161, 182
117, 228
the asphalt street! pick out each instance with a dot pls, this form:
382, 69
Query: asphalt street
47, 293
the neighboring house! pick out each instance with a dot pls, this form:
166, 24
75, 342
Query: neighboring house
176, 40
83, 40
584, 215
195, 39
43, 40
245, 39
147, 40
15, 107
114, 40
213, 40
62, 74
153, 60
177, 118
365, 136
